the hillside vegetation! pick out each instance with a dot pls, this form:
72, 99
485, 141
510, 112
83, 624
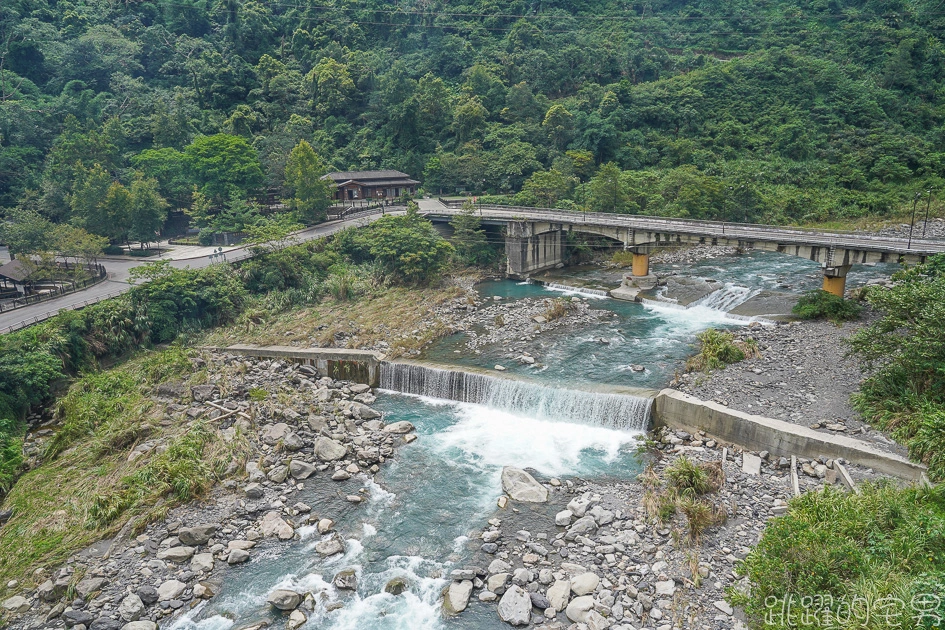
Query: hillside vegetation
111, 113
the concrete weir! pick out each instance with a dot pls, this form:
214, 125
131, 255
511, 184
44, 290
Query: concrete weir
783, 439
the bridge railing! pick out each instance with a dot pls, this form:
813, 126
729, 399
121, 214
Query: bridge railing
749, 231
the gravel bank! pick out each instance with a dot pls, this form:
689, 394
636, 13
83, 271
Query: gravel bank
803, 376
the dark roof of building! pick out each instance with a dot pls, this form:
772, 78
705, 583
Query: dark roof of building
380, 182
371, 177
15, 270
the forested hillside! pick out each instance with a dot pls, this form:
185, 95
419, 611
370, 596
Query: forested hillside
770, 110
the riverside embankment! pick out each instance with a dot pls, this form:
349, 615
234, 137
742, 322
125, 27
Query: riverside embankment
414, 522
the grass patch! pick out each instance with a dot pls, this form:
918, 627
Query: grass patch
820, 304
86, 489
883, 543
718, 349
558, 309
685, 493
394, 314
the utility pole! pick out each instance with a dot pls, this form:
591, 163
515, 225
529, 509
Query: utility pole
915, 200
927, 207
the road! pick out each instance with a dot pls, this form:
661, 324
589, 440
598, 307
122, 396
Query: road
747, 232
119, 273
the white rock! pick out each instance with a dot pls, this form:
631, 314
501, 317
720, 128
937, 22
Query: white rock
515, 607
202, 562
330, 546
16, 604
328, 450
284, 599
559, 593
273, 525
724, 607
325, 525
579, 607
399, 427
176, 554
170, 590
140, 625
296, 620
563, 518
585, 583
665, 587
457, 596
523, 487
131, 607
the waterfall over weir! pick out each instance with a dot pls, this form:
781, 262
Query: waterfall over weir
617, 411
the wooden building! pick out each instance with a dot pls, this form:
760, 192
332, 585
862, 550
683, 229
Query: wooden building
352, 185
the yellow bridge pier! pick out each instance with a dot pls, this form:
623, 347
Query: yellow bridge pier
835, 279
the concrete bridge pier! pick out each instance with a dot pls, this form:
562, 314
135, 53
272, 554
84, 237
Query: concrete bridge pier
835, 279
640, 265
531, 247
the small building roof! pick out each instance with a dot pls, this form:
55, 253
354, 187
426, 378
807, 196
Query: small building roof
371, 178
15, 270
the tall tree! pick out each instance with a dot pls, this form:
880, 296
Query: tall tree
310, 195
469, 238
148, 210
222, 165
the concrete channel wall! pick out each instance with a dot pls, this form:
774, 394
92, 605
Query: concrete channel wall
783, 439
360, 366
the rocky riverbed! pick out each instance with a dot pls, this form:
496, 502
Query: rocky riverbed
804, 375
301, 431
587, 555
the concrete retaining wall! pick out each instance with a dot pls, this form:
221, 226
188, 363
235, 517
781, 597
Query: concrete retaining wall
360, 366
783, 439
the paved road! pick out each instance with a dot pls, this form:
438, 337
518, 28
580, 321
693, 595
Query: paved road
119, 273
748, 232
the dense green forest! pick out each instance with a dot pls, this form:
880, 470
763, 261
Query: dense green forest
772, 111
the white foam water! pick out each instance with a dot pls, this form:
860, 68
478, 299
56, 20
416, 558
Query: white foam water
568, 289
520, 398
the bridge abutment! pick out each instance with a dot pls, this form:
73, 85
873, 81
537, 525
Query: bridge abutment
532, 247
835, 279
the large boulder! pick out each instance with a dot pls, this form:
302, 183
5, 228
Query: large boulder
328, 450
457, 597
88, 586
169, 590
559, 593
330, 546
301, 470
585, 584
273, 525
515, 607
16, 604
399, 427
579, 608
284, 599
274, 433
523, 487
131, 607
346, 580
197, 535
202, 562
176, 554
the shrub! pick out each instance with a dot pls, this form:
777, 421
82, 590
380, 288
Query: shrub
558, 309
882, 542
719, 349
820, 304
687, 478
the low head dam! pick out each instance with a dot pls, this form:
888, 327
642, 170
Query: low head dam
630, 409
535, 239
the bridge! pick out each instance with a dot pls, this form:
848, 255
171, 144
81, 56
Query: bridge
535, 239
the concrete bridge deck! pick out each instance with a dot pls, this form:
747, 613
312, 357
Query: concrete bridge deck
535, 239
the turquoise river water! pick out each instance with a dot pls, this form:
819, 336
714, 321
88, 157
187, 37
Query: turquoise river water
437, 491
